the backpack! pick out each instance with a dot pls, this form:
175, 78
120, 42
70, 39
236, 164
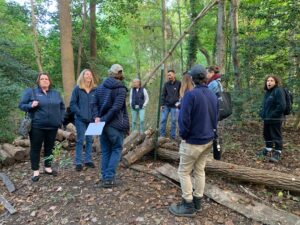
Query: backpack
225, 104
288, 101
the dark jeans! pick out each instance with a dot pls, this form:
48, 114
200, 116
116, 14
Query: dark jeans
111, 146
37, 138
163, 122
273, 135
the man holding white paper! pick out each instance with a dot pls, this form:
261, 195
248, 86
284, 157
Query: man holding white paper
110, 107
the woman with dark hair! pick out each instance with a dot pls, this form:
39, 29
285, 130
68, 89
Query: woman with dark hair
81, 105
272, 113
214, 79
46, 108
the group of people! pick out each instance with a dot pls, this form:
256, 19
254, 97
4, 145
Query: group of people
192, 103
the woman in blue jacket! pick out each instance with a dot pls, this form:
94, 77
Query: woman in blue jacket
81, 106
273, 114
46, 109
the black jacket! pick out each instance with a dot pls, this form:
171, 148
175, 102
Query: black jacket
170, 93
273, 105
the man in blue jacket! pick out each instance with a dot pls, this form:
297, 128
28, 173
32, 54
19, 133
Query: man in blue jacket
198, 118
110, 107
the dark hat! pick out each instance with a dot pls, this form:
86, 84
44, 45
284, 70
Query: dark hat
198, 72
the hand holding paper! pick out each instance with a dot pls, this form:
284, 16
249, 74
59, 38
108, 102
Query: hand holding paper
95, 128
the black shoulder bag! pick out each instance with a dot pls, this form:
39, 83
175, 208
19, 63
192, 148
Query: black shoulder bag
25, 125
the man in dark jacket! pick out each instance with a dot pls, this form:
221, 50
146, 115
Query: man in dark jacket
198, 119
110, 107
170, 96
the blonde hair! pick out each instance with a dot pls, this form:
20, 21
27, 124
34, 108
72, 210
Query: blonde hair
186, 84
80, 80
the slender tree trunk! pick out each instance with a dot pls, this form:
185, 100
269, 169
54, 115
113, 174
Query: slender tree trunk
193, 39
206, 54
220, 46
180, 33
93, 35
35, 36
79, 53
234, 43
67, 57
164, 32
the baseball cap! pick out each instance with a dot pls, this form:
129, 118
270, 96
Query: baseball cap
198, 72
115, 69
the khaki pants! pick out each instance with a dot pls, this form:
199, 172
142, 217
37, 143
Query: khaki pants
192, 157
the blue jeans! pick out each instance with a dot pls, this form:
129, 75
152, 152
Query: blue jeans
80, 129
134, 114
111, 146
163, 122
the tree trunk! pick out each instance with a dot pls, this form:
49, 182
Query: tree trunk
80, 39
164, 34
35, 37
220, 46
18, 153
180, 33
67, 57
234, 43
93, 35
146, 147
133, 143
243, 173
22, 142
193, 41
206, 54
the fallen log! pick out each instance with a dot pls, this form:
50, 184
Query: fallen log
133, 143
5, 158
7, 205
62, 134
22, 142
146, 147
130, 137
71, 128
162, 140
171, 146
247, 207
243, 173
18, 153
9, 185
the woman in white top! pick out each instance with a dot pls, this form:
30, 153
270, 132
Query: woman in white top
138, 101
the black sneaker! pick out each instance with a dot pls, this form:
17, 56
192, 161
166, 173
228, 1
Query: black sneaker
90, 165
262, 153
78, 167
186, 209
110, 183
276, 156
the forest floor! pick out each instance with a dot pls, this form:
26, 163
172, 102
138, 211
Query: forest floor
74, 198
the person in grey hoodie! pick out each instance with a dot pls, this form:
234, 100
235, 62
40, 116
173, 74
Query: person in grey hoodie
81, 106
110, 107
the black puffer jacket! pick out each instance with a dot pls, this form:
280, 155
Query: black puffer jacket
273, 105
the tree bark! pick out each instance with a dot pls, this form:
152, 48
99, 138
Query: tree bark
243, 173
193, 41
132, 144
164, 34
5, 158
180, 33
22, 142
206, 54
62, 134
220, 46
80, 39
35, 37
18, 153
234, 43
146, 147
67, 57
93, 35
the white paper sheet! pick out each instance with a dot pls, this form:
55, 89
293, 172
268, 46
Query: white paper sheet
95, 128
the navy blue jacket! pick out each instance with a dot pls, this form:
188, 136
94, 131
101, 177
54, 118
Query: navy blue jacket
170, 93
81, 104
110, 104
198, 115
49, 114
138, 98
273, 105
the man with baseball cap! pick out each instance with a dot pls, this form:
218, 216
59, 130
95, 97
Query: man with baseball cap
197, 120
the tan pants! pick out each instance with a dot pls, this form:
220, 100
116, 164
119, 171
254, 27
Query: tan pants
192, 157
